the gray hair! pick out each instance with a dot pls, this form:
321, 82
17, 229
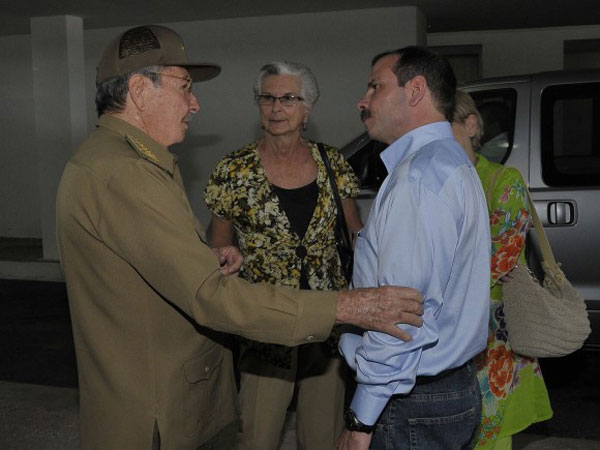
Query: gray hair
112, 93
309, 88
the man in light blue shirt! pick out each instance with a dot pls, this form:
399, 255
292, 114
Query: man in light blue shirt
428, 229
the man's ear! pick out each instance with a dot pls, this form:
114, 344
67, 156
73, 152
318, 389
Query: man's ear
472, 125
415, 90
137, 88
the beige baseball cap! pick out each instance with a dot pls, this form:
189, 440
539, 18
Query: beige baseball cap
149, 45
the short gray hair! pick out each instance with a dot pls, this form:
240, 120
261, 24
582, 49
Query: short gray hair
111, 94
309, 88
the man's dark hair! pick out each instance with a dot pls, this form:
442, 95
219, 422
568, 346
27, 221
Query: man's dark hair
434, 68
112, 93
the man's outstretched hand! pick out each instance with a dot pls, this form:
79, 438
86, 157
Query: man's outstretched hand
381, 309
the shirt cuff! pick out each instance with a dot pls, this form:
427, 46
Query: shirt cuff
368, 406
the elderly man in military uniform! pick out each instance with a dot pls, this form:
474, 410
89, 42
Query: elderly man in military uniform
148, 297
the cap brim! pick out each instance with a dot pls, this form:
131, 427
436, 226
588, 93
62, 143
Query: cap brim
201, 71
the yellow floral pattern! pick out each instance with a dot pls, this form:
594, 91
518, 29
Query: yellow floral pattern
238, 191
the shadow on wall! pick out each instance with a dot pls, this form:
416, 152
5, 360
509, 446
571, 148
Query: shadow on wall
192, 165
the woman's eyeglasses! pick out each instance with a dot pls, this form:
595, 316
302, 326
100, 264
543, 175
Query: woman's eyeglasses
284, 100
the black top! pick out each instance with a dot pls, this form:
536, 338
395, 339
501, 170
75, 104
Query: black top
299, 205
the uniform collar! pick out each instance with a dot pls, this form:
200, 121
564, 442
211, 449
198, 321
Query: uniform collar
143, 144
412, 141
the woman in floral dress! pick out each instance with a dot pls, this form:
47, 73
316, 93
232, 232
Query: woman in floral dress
513, 391
273, 198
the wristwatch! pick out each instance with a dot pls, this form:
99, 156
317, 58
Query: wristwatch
353, 424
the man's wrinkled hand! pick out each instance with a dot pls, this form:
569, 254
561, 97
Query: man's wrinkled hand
382, 309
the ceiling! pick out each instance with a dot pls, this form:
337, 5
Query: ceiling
442, 15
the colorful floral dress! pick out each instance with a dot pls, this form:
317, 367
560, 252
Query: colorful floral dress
239, 192
513, 391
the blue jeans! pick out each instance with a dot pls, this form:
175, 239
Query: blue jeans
441, 412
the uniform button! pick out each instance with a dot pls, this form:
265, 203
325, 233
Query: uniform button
310, 338
207, 369
301, 251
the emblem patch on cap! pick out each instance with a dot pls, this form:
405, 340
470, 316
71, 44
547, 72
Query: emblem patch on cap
137, 40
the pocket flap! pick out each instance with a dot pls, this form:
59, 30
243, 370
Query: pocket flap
202, 366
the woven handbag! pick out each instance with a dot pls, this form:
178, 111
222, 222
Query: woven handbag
547, 320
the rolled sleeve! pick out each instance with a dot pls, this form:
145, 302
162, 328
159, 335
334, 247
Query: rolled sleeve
217, 194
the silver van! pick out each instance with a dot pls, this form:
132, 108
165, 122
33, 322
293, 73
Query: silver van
548, 126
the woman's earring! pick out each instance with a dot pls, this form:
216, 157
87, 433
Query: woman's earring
303, 126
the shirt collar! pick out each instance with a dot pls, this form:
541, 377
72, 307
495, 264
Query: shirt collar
412, 141
147, 147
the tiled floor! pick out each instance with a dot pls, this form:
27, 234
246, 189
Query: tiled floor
36, 417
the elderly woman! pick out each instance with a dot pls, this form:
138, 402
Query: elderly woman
513, 391
274, 199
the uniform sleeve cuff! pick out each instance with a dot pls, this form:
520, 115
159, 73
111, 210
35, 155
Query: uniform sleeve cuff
316, 316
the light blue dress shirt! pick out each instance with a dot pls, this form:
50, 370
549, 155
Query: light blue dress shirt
428, 229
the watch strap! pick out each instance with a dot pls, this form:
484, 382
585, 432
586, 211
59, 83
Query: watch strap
353, 424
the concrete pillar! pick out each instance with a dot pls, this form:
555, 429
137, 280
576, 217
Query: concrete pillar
59, 108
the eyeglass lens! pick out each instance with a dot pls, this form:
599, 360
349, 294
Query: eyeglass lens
285, 100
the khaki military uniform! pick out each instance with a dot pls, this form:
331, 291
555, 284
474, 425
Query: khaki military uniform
145, 294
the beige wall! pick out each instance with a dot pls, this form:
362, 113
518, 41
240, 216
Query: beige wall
337, 45
516, 52
20, 195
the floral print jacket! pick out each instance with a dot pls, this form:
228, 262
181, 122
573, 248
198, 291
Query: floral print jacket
238, 191
513, 391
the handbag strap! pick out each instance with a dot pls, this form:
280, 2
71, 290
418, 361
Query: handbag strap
545, 249
547, 254
341, 220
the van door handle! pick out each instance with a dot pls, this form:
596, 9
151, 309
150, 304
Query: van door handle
561, 213
556, 212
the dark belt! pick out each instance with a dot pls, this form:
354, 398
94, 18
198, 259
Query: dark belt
430, 379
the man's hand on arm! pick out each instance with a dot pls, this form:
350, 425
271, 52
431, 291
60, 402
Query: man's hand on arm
230, 259
381, 309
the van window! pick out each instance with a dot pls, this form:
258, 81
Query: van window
497, 108
363, 156
570, 135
